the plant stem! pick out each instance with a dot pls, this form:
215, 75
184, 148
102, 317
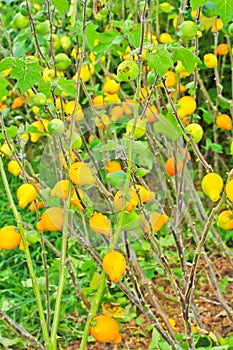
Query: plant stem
93, 310
28, 257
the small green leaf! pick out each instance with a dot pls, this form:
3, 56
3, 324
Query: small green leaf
188, 59
66, 85
3, 85
160, 60
33, 129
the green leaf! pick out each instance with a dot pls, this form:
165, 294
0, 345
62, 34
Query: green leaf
106, 41
27, 73
197, 3
188, 59
33, 129
6, 63
168, 126
66, 85
160, 60
224, 9
61, 6
45, 87
91, 34
72, 12
3, 85
11, 132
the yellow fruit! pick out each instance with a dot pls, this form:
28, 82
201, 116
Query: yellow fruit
51, 220
102, 122
222, 49
75, 199
157, 222
229, 190
131, 199
144, 194
86, 72
64, 160
114, 265
26, 194
225, 220
188, 104
212, 185
81, 174
170, 79
5, 149
128, 106
151, 114
224, 122
14, 168
111, 98
69, 110
171, 167
165, 38
99, 223
39, 125
61, 189
105, 329
111, 86
113, 167
117, 112
218, 25
210, 60
98, 102
9, 238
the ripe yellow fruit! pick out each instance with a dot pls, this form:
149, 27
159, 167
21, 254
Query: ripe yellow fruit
111, 86
105, 329
99, 223
26, 194
113, 167
51, 220
102, 122
75, 199
170, 79
225, 220
144, 194
39, 125
14, 168
81, 174
229, 190
187, 104
117, 112
65, 159
171, 167
165, 38
131, 199
128, 106
61, 189
222, 49
218, 25
210, 60
157, 222
224, 122
5, 149
212, 185
9, 238
114, 265
69, 110
151, 114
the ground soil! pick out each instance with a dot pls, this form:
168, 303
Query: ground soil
213, 317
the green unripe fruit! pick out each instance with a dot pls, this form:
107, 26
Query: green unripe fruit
209, 9
65, 42
196, 131
32, 237
139, 130
127, 71
62, 61
20, 21
230, 29
188, 30
41, 16
151, 77
76, 141
117, 179
23, 8
43, 28
56, 127
39, 100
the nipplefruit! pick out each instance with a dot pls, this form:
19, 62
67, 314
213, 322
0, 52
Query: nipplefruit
212, 185
9, 238
51, 220
105, 329
26, 194
114, 265
99, 223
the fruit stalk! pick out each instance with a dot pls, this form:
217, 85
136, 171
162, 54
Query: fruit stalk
28, 257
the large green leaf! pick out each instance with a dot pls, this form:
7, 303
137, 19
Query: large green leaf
61, 6
224, 9
188, 59
160, 60
27, 73
6, 63
168, 126
197, 3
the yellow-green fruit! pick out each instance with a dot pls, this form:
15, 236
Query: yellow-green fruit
188, 30
14, 168
196, 131
20, 21
127, 71
210, 60
56, 127
65, 42
114, 265
43, 28
229, 190
140, 127
212, 185
225, 220
62, 61
39, 99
